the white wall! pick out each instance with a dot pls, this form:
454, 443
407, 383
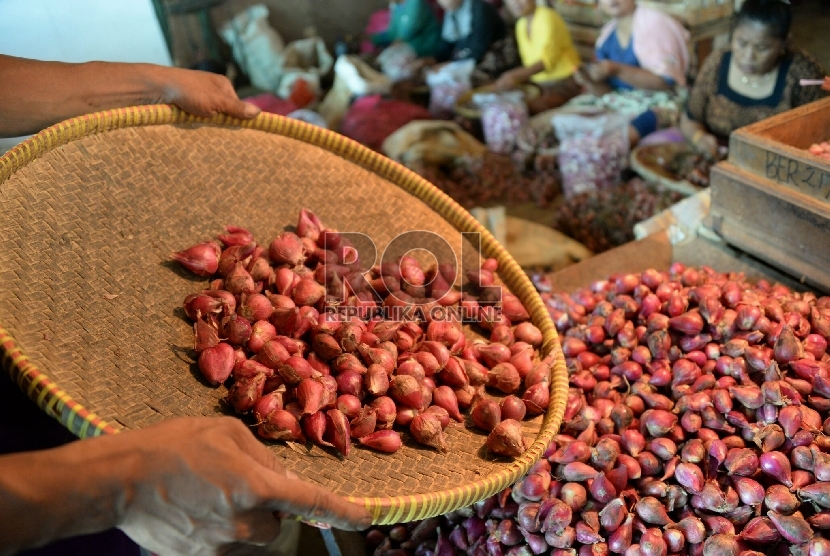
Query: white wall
81, 31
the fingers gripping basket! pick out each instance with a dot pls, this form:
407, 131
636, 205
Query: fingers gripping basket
90, 210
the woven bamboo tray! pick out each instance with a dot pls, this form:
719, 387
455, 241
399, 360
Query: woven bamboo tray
650, 160
90, 210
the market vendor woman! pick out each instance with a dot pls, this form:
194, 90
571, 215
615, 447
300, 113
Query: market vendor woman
545, 46
756, 77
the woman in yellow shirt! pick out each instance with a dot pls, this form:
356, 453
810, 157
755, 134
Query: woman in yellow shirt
545, 46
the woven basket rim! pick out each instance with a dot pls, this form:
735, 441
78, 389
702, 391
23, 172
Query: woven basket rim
57, 403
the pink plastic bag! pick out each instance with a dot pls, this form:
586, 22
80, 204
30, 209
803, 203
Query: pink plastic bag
371, 119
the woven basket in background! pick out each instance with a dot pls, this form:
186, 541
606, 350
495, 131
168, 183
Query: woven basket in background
90, 210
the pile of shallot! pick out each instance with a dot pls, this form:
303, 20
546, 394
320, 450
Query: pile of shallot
821, 150
317, 350
696, 423
601, 220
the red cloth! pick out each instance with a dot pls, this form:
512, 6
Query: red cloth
269, 102
371, 119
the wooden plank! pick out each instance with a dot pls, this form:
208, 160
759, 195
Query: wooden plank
782, 227
585, 14
654, 251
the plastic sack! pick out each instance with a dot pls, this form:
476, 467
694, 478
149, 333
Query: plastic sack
370, 120
432, 142
307, 60
360, 77
593, 150
256, 46
502, 116
397, 61
447, 84
309, 116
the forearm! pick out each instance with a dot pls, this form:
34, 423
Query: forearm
640, 78
525, 73
62, 492
35, 94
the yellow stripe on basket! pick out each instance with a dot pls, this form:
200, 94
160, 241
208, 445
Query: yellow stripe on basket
33, 385
44, 392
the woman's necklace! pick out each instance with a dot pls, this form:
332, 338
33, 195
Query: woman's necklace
755, 83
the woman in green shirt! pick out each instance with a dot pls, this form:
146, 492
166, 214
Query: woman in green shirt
412, 22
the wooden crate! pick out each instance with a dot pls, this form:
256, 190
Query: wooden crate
774, 149
693, 12
580, 13
781, 226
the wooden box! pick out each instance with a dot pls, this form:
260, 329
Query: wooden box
580, 13
772, 221
693, 12
775, 149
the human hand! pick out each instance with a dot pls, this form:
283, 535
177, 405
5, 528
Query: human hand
826, 84
580, 76
705, 143
601, 70
202, 93
204, 485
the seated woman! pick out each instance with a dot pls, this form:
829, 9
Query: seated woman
756, 77
470, 28
545, 46
412, 22
639, 49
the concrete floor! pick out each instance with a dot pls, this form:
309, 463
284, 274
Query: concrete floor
811, 29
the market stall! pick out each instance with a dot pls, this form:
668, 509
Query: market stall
642, 370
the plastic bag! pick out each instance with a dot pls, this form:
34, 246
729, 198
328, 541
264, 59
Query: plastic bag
447, 84
396, 62
593, 150
360, 77
306, 60
256, 46
502, 116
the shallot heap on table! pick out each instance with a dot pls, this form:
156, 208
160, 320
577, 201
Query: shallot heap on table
697, 422
307, 374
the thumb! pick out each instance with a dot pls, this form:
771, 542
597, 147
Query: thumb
239, 109
313, 502
250, 110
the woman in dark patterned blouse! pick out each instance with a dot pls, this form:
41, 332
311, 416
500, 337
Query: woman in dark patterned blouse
756, 77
